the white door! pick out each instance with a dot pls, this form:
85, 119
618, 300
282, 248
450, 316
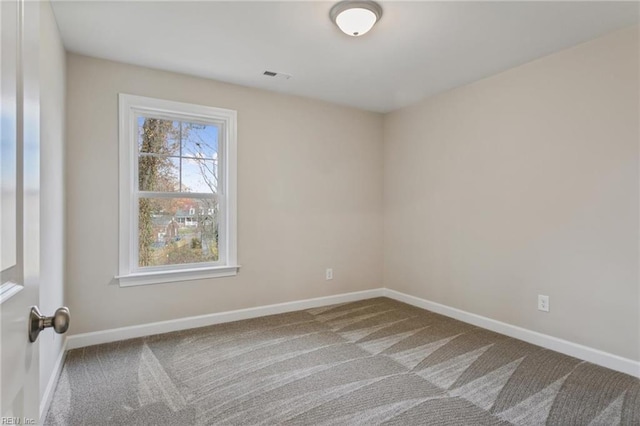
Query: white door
19, 209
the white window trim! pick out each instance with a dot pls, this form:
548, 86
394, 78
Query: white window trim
129, 106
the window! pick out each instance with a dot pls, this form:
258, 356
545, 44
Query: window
177, 191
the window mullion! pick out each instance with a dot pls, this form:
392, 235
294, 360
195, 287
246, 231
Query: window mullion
180, 171
195, 195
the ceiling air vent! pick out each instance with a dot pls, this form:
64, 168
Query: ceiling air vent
280, 75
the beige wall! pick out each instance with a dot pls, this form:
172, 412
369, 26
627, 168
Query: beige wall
52, 106
522, 184
309, 197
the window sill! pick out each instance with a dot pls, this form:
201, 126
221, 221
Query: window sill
160, 277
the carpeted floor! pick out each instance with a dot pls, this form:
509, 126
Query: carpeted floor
376, 361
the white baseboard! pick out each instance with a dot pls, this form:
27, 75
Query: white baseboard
586, 353
566, 347
95, 338
53, 381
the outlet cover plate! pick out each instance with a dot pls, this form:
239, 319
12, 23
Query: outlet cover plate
543, 303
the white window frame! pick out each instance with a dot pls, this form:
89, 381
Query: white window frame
130, 107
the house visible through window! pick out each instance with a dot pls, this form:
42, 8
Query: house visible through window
177, 191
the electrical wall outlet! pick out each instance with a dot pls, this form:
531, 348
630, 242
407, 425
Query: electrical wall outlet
543, 303
329, 274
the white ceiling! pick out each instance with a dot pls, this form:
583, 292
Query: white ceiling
416, 50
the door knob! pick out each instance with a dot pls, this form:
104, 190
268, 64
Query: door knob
38, 322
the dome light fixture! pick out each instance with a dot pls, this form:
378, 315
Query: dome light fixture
355, 17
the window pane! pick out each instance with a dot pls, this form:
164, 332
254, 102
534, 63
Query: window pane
199, 175
156, 173
177, 231
156, 136
200, 141
177, 156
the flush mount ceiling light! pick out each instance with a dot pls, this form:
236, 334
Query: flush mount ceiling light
355, 17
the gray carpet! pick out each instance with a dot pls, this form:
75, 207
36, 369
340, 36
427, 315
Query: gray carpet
371, 362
